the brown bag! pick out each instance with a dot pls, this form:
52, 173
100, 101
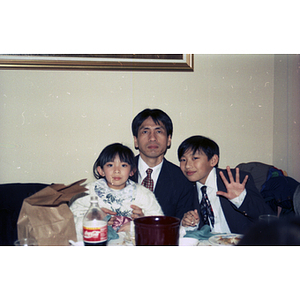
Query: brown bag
46, 216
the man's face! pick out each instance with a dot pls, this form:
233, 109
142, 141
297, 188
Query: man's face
152, 141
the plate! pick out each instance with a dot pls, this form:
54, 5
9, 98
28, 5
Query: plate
228, 239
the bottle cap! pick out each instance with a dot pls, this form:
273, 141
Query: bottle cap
94, 199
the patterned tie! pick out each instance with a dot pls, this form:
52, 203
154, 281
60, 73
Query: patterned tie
206, 209
147, 181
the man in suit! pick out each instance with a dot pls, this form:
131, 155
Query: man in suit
226, 204
152, 132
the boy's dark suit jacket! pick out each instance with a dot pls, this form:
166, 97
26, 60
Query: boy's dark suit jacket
173, 191
240, 219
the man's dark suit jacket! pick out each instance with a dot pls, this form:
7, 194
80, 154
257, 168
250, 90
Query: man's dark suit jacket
240, 219
173, 191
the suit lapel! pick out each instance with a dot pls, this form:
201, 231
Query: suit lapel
163, 180
220, 183
227, 206
221, 187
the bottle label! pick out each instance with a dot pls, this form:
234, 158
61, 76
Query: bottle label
95, 234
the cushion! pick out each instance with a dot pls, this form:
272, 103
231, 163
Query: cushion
11, 200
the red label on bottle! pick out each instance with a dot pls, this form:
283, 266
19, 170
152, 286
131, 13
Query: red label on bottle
95, 234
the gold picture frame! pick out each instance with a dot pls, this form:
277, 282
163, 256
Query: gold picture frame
139, 62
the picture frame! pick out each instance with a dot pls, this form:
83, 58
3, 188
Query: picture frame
123, 62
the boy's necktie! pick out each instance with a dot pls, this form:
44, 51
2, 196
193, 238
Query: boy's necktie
147, 181
206, 209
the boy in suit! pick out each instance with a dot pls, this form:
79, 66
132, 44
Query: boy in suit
225, 204
152, 131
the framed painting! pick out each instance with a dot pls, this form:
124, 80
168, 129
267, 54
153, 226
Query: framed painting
139, 62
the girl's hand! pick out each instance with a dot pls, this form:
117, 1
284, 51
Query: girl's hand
125, 227
137, 212
109, 212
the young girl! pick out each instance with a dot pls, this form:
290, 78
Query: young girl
116, 193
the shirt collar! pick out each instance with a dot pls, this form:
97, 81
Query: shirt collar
211, 181
142, 167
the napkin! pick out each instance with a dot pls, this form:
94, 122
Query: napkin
203, 234
119, 221
111, 233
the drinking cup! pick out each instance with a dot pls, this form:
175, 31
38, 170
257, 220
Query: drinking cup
267, 218
26, 242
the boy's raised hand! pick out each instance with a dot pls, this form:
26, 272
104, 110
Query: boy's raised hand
234, 188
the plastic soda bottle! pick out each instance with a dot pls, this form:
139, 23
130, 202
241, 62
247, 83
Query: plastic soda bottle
94, 225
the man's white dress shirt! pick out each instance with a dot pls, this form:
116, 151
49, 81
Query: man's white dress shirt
143, 167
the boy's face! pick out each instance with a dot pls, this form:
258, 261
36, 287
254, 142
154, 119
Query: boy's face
196, 167
116, 173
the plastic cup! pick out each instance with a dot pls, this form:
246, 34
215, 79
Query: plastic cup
26, 242
267, 218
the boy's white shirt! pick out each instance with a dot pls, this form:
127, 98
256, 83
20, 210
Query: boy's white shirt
220, 225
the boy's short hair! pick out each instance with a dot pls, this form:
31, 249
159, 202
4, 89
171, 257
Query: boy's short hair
199, 143
109, 153
157, 116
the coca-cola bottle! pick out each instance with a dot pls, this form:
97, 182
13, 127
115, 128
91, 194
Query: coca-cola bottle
94, 225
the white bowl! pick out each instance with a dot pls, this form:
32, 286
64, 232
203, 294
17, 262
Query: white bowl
188, 242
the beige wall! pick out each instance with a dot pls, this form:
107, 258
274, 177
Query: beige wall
55, 123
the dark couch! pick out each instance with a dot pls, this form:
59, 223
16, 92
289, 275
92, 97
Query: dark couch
11, 200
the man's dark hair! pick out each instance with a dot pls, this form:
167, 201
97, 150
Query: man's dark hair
157, 116
199, 143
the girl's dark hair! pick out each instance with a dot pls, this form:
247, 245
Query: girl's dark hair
109, 153
157, 116
199, 143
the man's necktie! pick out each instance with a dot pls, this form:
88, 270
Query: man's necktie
206, 209
147, 181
